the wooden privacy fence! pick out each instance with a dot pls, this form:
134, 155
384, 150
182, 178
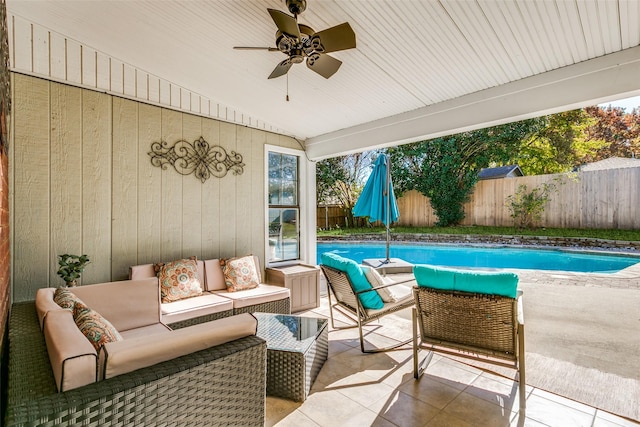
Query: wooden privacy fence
330, 216
595, 199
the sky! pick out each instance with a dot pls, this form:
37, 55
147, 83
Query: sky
628, 104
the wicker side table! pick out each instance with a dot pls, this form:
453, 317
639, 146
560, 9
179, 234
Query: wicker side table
297, 347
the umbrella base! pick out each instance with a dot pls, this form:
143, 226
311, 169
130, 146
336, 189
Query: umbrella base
394, 265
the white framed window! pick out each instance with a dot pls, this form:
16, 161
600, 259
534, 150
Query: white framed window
285, 172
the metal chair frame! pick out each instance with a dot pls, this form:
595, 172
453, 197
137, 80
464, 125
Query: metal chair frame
349, 304
482, 327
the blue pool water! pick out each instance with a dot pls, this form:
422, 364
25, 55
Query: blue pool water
483, 257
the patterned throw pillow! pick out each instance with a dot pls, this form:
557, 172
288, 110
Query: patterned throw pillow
96, 328
179, 280
65, 298
240, 273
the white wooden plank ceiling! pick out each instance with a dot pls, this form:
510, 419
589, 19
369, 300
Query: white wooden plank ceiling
411, 55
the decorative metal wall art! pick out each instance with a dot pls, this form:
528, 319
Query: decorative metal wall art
198, 158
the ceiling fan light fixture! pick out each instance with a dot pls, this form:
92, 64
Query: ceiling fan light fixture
296, 7
296, 56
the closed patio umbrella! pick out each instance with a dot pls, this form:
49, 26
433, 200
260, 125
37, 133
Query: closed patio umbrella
377, 200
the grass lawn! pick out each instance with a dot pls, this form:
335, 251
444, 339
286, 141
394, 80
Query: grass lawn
626, 235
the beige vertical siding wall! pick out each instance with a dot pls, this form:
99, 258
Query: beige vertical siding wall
82, 183
596, 199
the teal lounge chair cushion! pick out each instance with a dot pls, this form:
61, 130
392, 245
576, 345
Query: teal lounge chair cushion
483, 282
369, 300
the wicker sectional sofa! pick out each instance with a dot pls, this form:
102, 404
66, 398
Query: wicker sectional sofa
213, 373
216, 301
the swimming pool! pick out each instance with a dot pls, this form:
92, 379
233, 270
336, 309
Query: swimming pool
483, 256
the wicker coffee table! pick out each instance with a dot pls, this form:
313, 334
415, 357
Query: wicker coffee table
297, 347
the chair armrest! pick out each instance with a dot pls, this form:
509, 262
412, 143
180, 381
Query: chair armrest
520, 310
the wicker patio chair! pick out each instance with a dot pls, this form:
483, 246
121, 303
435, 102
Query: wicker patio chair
488, 328
347, 300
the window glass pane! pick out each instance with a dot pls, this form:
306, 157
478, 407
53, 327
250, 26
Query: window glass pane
283, 234
283, 179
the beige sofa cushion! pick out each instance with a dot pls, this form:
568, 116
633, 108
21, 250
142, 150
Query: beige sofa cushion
158, 328
214, 275
73, 358
259, 295
138, 302
135, 353
195, 307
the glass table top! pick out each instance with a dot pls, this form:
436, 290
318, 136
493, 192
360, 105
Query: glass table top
288, 333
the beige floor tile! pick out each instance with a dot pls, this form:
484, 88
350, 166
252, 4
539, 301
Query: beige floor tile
366, 418
499, 393
337, 374
447, 420
330, 408
366, 393
403, 410
428, 390
336, 347
452, 373
555, 414
520, 420
294, 419
477, 411
564, 401
278, 409
392, 376
357, 360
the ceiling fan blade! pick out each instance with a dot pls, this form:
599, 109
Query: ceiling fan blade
285, 23
281, 69
270, 49
333, 39
324, 65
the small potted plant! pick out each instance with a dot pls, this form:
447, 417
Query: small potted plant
71, 267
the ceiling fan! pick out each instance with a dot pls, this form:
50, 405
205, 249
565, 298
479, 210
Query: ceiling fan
299, 41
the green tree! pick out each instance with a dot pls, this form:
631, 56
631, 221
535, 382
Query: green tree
445, 169
339, 180
561, 144
619, 131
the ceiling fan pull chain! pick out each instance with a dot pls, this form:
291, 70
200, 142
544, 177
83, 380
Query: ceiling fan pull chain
287, 88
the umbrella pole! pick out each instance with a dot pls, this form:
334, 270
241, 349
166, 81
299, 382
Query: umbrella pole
388, 207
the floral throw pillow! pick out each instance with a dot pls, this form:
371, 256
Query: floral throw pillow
65, 298
96, 328
179, 280
240, 273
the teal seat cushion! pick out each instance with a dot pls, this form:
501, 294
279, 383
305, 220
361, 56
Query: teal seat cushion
483, 282
369, 300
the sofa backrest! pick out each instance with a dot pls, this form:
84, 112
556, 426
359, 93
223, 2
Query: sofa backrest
145, 271
127, 304
451, 279
214, 276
